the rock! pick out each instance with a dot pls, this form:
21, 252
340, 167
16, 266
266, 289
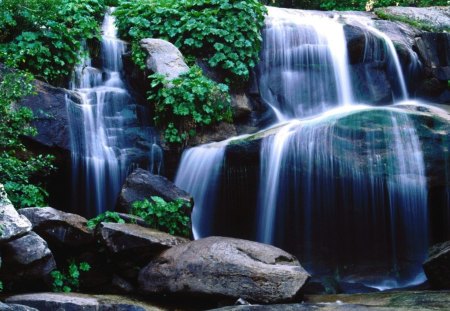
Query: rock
225, 267
12, 225
15, 307
51, 119
332, 306
136, 243
164, 58
80, 302
27, 263
142, 184
59, 227
356, 43
434, 50
433, 18
437, 266
241, 106
218, 132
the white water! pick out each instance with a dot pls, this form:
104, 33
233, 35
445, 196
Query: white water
101, 151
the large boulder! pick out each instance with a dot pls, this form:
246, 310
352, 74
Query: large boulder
142, 184
432, 18
437, 266
27, 263
13, 225
164, 58
80, 302
136, 243
225, 267
63, 229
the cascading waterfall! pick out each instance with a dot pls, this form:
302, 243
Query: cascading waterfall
343, 186
101, 127
303, 60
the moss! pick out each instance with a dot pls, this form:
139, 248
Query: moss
381, 13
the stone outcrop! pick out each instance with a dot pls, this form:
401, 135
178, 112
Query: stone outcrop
431, 18
164, 58
225, 267
136, 243
80, 302
27, 263
437, 266
142, 184
13, 225
59, 227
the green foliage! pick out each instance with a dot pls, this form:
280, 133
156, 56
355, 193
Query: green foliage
165, 216
18, 168
185, 104
226, 33
1, 286
44, 36
107, 216
68, 281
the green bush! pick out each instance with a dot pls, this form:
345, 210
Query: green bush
185, 104
68, 281
107, 216
44, 36
165, 216
226, 33
18, 168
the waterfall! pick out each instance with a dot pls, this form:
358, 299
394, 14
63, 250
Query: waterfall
105, 127
303, 68
341, 185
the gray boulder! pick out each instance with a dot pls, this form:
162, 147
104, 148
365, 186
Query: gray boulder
164, 58
136, 243
241, 106
27, 263
12, 225
437, 266
432, 18
59, 227
225, 267
15, 307
80, 302
142, 184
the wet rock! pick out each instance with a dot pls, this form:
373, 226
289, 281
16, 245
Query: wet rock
225, 267
241, 106
12, 224
164, 58
437, 266
59, 227
136, 243
142, 184
27, 263
218, 132
80, 302
432, 18
15, 307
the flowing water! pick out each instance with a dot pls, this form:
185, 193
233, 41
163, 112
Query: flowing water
105, 128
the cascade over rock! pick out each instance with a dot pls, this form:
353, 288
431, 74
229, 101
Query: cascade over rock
225, 267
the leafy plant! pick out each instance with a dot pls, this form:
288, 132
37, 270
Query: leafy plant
107, 216
69, 280
169, 217
225, 33
18, 167
185, 104
44, 36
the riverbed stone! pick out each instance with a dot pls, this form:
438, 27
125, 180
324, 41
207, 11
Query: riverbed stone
437, 266
12, 224
80, 302
225, 267
164, 58
142, 184
59, 227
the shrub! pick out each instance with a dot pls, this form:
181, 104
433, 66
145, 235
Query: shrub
44, 36
18, 168
165, 216
185, 104
226, 33
107, 216
68, 281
